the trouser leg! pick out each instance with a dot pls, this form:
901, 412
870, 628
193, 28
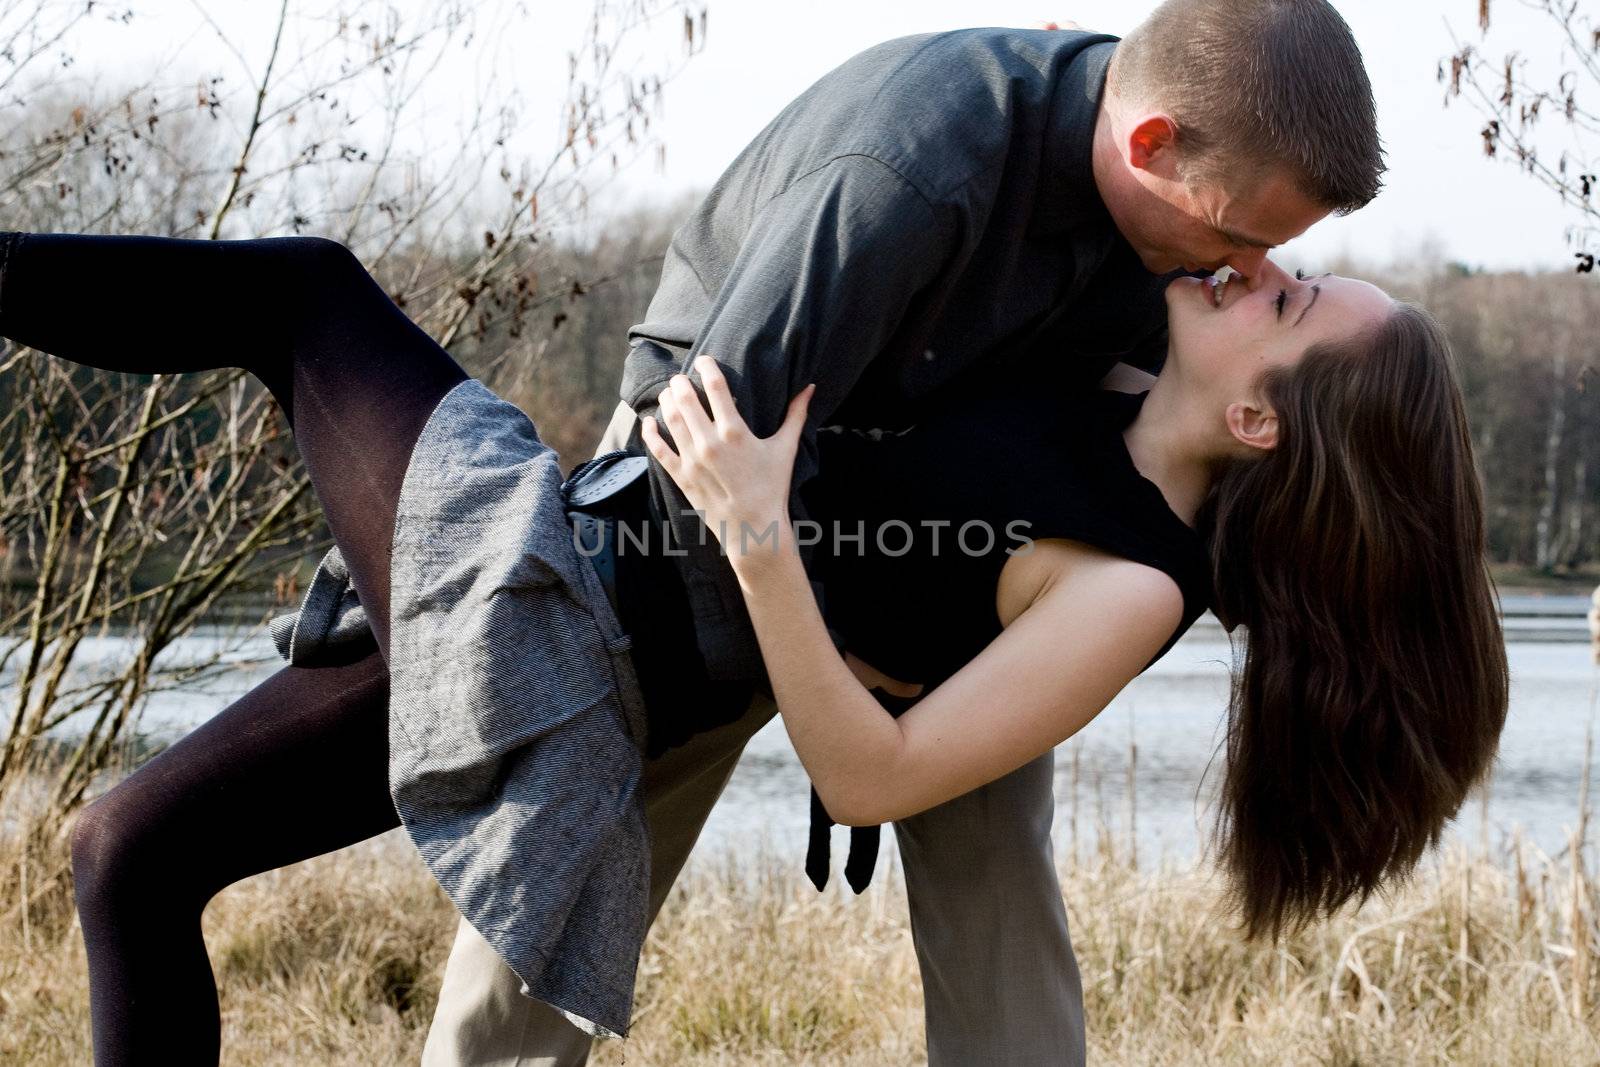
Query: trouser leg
1000, 983
482, 1019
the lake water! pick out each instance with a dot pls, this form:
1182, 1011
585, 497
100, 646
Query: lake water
1172, 713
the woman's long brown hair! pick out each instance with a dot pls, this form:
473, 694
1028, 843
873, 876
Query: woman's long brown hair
1373, 685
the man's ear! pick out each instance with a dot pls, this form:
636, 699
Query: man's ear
1152, 145
1252, 426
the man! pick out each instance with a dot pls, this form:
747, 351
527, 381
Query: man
976, 202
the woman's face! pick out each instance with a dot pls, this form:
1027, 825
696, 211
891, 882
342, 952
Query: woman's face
1225, 336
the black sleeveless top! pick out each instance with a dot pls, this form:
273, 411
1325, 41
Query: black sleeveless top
914, 595
941, 505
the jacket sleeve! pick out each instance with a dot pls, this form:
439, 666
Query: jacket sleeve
819, 287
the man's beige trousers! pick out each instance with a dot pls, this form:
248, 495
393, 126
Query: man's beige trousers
1000, 983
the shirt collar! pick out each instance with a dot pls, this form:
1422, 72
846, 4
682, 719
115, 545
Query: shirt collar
1067, 196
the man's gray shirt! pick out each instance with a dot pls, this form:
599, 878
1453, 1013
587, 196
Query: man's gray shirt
925, 212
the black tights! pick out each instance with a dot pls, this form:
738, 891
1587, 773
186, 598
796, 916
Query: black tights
299, 765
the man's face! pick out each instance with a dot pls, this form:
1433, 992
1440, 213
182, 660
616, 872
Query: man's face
1206, 225
1174, 222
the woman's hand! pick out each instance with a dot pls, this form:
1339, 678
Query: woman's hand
737, 481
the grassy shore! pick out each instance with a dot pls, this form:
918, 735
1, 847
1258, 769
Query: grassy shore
1575, 581
1480, 960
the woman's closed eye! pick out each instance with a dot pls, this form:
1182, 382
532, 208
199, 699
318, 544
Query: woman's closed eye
1283, 298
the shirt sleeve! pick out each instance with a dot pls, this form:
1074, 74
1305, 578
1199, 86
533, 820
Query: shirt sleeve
820, 285
818, 288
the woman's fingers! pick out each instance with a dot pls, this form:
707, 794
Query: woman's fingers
723, 410
795, 420
722, 469
684, 416
650, 430
693, 411
672, 415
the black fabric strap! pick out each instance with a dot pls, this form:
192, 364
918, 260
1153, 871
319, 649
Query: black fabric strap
863, 857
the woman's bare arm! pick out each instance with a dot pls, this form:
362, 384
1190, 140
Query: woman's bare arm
1092, 624
1047, 674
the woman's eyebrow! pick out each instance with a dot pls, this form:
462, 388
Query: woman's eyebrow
1315, 289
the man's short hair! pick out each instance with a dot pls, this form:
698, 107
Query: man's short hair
1256, 82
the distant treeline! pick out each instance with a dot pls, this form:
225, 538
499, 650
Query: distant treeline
1525, 344
1529, 361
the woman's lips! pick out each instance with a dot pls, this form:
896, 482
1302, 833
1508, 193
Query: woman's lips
1217, 289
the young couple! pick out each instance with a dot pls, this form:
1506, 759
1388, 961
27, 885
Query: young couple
893, 309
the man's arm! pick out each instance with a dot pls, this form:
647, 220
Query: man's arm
821, 284
819, 287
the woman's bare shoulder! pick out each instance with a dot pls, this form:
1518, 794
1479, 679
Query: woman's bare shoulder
1051, 563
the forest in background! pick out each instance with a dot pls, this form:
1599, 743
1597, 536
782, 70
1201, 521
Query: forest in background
1525, 345
147, 505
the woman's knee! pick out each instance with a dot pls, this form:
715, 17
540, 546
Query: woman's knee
316, 265
117, 850
99, 847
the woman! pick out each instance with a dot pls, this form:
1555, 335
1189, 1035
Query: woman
1313, 430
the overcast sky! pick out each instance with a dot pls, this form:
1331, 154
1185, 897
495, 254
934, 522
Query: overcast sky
759, 54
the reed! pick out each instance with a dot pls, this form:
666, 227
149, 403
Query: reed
1482, 959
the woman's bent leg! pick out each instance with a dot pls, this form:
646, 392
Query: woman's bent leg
296, 767
356, 378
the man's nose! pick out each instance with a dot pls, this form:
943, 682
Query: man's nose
1253, 265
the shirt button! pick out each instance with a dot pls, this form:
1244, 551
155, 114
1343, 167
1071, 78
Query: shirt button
927, 353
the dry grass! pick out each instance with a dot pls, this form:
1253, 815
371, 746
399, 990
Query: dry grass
336, 961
